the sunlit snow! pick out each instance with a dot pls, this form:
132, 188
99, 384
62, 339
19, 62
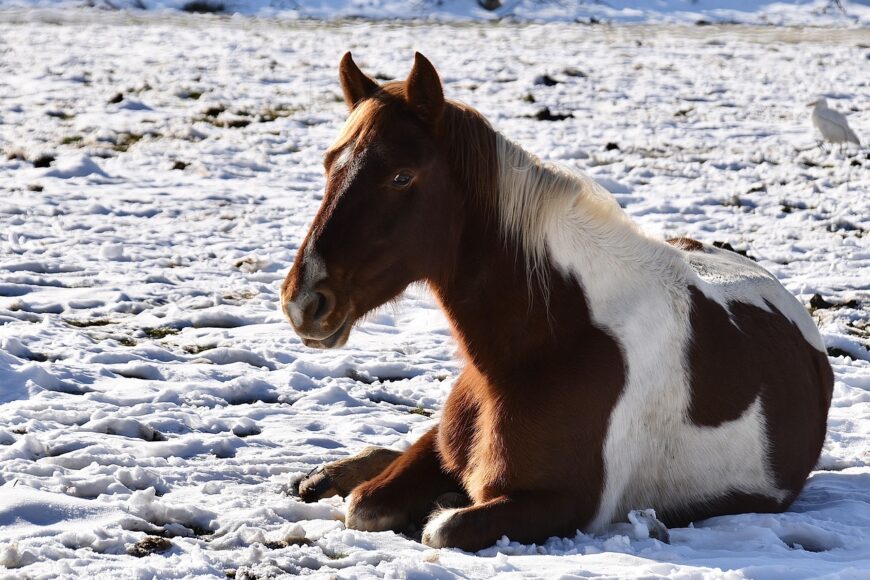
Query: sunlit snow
158, 174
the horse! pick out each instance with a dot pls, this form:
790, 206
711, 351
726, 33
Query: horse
605, 370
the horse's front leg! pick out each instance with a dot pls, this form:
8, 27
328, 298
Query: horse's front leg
405, 493
341, 477
523, 516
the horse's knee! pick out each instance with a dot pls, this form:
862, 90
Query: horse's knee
386, 503
370, 510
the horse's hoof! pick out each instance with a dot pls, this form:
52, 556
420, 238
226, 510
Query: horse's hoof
316, 485
341, 477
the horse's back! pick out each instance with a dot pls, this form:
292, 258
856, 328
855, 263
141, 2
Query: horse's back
730, 278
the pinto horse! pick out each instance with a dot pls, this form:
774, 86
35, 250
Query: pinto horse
605, 370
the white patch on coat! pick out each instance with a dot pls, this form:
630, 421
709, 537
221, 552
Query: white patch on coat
637, 290
533, 197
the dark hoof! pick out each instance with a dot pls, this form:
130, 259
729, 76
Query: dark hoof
316, 485
341, 477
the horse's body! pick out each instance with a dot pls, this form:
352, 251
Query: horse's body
606, 370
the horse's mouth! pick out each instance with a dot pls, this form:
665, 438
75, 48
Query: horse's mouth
334, 340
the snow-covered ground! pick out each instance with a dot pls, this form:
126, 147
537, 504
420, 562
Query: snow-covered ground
159, 172
763, 12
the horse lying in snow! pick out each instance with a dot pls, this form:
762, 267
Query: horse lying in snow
605, 370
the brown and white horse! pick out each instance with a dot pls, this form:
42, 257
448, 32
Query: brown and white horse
605, 370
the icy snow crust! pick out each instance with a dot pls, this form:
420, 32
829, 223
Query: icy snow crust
149, 385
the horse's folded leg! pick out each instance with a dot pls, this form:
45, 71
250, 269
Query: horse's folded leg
525, 517
316, 484
340, 477
405, 493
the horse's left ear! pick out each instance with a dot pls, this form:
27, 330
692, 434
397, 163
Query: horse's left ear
424, 89
354, 84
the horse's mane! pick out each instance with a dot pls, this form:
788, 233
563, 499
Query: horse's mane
526, 195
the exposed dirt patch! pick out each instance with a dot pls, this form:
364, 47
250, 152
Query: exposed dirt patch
148, 546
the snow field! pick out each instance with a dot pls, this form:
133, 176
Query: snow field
159, 173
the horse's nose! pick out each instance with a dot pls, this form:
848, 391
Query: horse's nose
311, 308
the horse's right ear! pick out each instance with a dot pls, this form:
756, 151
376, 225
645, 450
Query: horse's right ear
424, 89
355, 85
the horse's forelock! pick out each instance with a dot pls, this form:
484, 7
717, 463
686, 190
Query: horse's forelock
359, 124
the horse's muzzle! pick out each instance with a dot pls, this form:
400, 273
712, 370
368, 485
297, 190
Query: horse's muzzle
334, 340
314, 315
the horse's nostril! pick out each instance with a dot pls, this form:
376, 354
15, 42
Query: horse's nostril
324, 302
320, 309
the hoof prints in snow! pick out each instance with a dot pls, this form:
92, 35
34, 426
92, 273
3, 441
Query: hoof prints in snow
150, 387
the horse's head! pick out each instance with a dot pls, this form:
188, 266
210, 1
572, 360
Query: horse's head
388, 209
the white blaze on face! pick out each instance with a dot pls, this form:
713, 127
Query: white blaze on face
346, 166
348, 162
315, 269
343, 158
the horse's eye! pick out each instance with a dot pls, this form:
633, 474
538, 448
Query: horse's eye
401, 180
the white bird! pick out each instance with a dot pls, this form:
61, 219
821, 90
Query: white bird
832, 125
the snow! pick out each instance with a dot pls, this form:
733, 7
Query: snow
764, 12
149, 384
75, 166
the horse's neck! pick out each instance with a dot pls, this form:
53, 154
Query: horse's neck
499, 308
518, 287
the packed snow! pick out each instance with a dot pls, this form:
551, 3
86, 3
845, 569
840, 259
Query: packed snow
159, 172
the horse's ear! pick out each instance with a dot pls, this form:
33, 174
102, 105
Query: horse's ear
355, 85
424, 89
